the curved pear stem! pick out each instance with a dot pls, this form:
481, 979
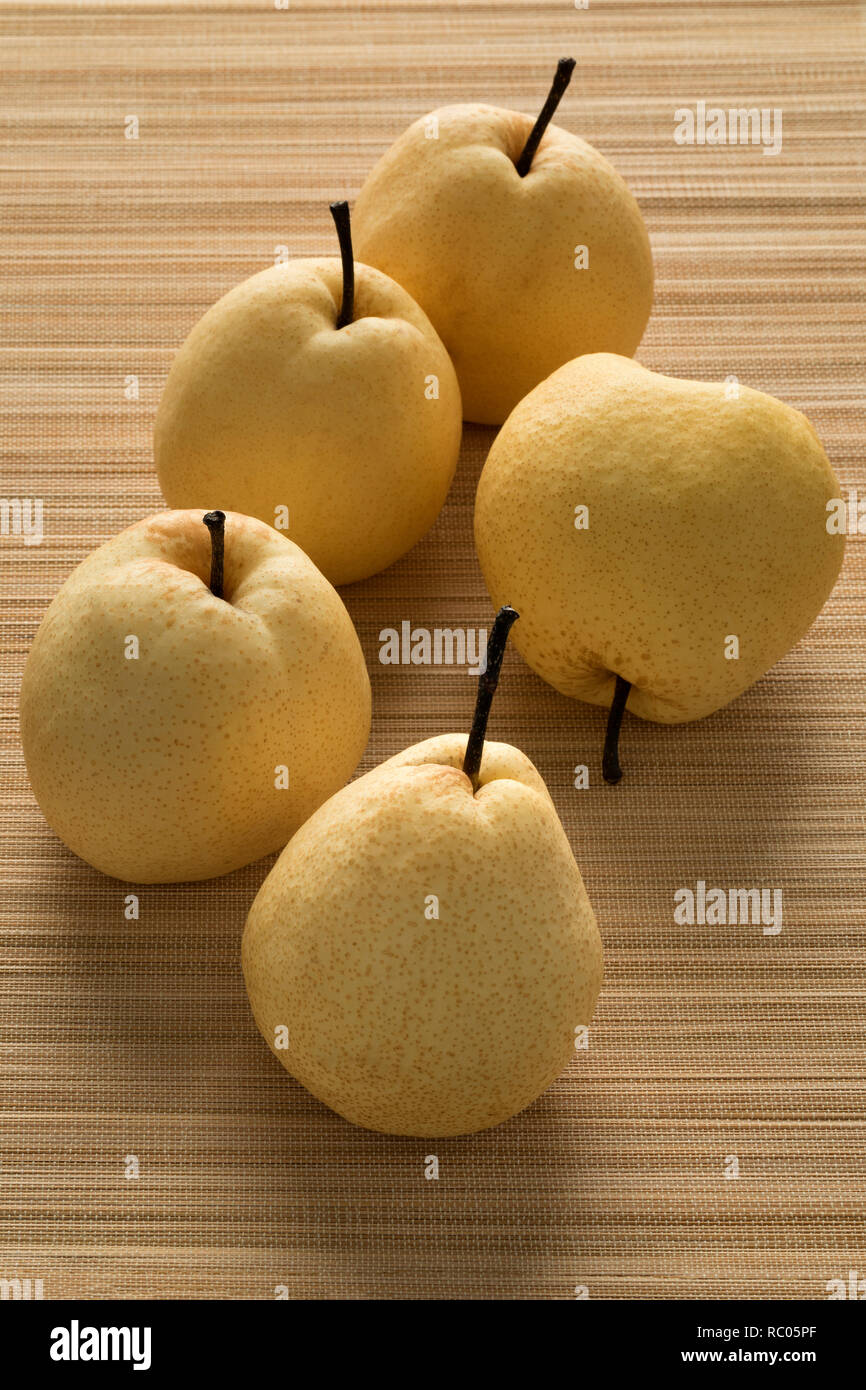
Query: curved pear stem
487, 683
340, 214
564, 69
216, 524
611, 770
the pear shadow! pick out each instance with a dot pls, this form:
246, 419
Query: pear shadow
162, 1060
456, 1208
712, 796
437, 584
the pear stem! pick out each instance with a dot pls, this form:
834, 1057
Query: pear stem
340, 214
487, 683
216, 524
611, 770
564, 69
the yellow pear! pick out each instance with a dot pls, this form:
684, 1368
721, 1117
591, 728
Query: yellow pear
422, 953
320, 400
666, 541
188, 701
519, 240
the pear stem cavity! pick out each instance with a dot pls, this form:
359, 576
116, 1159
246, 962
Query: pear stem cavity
487, 683
564, 69
611, 770
340, 214
216, 524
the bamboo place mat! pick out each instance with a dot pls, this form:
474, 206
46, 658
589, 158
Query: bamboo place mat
134, 1038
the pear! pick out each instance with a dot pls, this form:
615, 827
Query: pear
520, 241
190, 699
665, 540
423, 950
315, 396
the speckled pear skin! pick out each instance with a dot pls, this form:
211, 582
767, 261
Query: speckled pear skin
490, 256
163, 768
269, 405
707, 518
414, 1026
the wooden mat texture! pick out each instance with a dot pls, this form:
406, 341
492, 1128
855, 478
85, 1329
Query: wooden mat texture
134, 1038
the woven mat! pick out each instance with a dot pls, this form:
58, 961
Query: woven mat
133, 1038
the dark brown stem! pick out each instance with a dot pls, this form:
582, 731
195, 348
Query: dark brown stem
611, 770
564, 69
340, 214
487, 683
216, 524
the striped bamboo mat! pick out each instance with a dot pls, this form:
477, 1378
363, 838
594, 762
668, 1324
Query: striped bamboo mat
715, 1050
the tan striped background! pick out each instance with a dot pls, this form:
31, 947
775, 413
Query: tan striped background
134, 1038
